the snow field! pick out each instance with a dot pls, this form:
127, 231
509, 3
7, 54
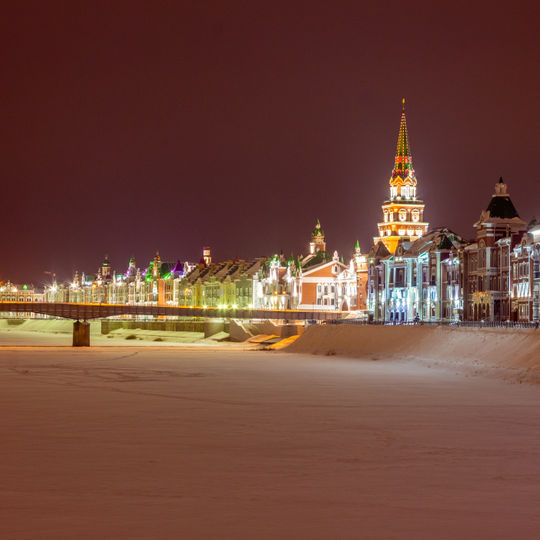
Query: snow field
151, 443
509, 353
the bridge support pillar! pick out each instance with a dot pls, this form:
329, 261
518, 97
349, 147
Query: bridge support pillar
211, 327
81, 334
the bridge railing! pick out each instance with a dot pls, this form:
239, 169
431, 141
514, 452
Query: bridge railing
95, 311
464, 324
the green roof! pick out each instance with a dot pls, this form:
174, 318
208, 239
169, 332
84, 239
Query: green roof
320, 257
317, 231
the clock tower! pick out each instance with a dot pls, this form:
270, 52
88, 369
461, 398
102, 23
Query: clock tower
403, 212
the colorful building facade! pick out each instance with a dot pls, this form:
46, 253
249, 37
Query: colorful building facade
410, 273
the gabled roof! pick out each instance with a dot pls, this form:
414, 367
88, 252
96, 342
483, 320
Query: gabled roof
318, 258
379, 250
438, 239
316, 268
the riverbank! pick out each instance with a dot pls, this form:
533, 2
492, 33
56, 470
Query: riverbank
58, 332
508, 353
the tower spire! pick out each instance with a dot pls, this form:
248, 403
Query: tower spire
402, 212
403, 160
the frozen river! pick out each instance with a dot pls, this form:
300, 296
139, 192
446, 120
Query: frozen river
139, 442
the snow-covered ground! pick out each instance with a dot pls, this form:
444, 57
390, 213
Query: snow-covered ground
508, 353
145, 443
60, 332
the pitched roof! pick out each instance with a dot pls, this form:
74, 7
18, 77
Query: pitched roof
501, 206
178, 268
379, 250
318, 258
436, 239
317, 267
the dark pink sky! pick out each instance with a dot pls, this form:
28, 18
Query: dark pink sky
136, 126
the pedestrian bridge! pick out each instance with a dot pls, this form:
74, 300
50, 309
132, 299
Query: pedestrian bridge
84, 312
99, 311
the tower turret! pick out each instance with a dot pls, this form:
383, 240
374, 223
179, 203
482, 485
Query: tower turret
156, 265
403, 213
106, 268
500, 218
207, 256
132, 270
317, 239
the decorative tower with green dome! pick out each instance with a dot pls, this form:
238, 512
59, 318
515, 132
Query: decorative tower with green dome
317, 239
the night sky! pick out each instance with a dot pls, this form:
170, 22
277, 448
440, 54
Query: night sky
136, 126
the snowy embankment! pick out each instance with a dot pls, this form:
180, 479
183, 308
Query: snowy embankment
16, 332
509, 351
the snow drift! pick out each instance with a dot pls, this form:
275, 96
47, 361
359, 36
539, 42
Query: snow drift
505, 348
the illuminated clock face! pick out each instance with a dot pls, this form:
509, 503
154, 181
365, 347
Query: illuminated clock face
415, 215
402, 215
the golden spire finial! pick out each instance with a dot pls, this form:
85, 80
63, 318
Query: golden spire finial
403, 101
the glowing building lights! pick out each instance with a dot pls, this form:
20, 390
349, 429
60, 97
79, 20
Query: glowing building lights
402, 207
